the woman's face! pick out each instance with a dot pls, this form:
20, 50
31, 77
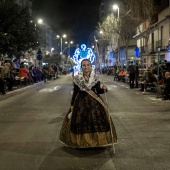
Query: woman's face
86, 66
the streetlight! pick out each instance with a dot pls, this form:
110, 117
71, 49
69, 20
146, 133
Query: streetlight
69, 44
101, 32
115, 7
43, 28
61, 41
66, 53
158, 72
40, 21
52, 49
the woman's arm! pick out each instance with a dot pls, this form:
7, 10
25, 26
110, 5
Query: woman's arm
75, 92
99, 88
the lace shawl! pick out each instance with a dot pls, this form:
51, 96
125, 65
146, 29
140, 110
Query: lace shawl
80, 81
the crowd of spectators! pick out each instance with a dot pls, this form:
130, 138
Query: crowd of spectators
15, 73
19, 74
148, 78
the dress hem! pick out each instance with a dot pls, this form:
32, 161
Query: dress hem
100, 146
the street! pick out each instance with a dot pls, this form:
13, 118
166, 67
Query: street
30, 123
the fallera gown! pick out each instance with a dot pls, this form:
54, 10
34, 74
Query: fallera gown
89, 124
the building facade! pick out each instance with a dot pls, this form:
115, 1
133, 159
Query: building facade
121, 54
158, 42
159, 38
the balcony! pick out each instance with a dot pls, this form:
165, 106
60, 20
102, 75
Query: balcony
153, 47
142, 49
162, 45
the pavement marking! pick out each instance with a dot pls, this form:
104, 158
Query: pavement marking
111, 87
50, 89
154, 98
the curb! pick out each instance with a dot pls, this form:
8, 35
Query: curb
20, 90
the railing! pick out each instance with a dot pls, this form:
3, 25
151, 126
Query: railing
161, 44
142, 49
153, 47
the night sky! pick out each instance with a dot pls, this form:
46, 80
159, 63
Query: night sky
79, 17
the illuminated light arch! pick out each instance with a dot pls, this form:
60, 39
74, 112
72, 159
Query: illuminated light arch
80, 54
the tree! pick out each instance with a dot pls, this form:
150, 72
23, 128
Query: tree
109, 27
126, 31
56, 58
118, 30
17, 32
142, 12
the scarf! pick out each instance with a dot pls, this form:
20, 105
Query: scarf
80, 81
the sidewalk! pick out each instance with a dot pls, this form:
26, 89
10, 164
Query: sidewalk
151, 91
19, 90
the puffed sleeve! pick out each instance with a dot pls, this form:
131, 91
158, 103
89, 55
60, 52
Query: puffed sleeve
75, 92
97, 88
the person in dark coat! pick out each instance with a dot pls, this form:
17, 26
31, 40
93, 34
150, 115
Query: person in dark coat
167, 86
136, 75
131, 72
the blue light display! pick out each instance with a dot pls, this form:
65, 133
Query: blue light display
136, 52
80, 54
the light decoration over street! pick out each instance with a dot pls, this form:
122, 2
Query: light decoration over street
80, 54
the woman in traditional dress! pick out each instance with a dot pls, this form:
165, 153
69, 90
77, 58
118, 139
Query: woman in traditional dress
88, 124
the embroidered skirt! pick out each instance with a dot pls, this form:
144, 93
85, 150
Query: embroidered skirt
88, 126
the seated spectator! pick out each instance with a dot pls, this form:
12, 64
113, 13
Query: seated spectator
161, 84
45, 72
16, 64
51, 72
2, 86
121, 75
54, 67
148, 78
7, 76
31, 80
110, 71
39, 74
32, 72
116, 73
167, 86
23, 73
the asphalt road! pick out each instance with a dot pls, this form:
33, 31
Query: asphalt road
30, 123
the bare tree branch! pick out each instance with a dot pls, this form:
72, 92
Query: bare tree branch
142, 12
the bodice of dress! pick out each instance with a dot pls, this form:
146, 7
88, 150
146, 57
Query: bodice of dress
96, 89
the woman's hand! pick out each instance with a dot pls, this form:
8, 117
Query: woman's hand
104, 87
71, 108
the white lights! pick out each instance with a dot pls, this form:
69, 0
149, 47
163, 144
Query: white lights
52, 49
101, 32
115, 7
40, 21
61, 41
